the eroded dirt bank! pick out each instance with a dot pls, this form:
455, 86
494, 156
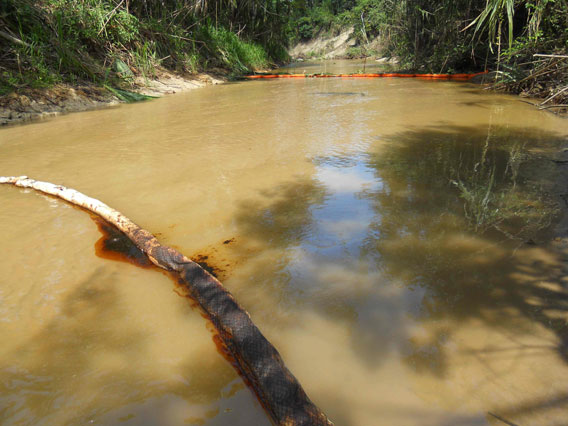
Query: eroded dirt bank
37, 104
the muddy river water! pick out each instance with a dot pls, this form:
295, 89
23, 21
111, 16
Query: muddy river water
389, 236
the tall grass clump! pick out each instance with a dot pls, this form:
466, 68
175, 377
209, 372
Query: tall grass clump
47, 41
232, 52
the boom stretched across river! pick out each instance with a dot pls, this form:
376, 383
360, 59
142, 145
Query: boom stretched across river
458, 77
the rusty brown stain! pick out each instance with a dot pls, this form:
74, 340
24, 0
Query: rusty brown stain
182, 291
229, 357
279, 392
114, 245
203, 261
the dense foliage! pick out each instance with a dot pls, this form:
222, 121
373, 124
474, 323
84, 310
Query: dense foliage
44, 41
444, 35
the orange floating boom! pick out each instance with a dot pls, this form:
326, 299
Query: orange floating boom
459, 77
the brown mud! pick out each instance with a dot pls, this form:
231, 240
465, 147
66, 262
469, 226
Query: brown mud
37, 104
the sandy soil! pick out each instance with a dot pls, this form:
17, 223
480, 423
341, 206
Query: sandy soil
325, 46
37, 104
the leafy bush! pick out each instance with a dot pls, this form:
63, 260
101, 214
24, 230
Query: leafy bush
305, 28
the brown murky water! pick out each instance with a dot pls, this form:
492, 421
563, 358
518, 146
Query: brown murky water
364, 224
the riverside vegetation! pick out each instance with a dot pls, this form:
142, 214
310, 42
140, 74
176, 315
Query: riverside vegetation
107, 41
451, 36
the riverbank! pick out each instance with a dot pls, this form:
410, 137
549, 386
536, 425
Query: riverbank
525, 44
56, 55
541, 81
36, 104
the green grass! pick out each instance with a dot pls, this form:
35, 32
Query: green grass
66, 41
233, 53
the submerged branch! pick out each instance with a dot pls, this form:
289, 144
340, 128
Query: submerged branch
257, 360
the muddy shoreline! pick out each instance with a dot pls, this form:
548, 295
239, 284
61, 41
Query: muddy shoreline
37, 104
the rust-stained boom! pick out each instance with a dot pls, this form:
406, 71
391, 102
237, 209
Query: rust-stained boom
455, 77
258, 361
